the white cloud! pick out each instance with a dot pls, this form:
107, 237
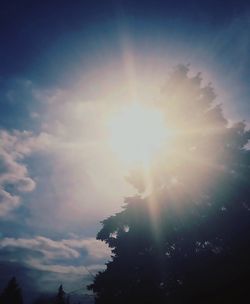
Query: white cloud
15, 146
90, 252
49, 248
96, 249
64, 269
66, 248
86, 182
7, 202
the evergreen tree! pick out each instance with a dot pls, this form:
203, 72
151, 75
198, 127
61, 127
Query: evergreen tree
60, 297
12, 293
188, 240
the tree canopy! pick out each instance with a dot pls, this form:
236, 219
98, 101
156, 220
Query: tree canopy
12, 293
187, 240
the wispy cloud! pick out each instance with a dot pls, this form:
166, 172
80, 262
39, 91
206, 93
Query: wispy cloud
58, 256
65, 248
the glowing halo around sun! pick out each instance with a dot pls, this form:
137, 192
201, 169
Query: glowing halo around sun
137, 132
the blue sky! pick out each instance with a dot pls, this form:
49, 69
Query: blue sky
64, 67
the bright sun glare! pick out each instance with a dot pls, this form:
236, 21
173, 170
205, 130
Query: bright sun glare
137, 133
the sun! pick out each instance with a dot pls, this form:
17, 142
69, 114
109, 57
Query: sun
137, 132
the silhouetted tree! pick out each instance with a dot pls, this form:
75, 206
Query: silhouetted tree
60, 297
188, 240
12, 293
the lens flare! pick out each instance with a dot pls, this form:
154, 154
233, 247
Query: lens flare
137, 133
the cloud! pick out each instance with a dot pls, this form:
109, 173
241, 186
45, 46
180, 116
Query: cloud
49, 248
96, 249
83, 183
7, 202
72, 262
14, 175
71, 169
90, 251
35, 282
64, 269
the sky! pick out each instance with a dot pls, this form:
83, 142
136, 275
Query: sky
65, 67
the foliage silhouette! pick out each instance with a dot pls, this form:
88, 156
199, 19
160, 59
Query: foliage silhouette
187, 241
60, 297
12, 293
